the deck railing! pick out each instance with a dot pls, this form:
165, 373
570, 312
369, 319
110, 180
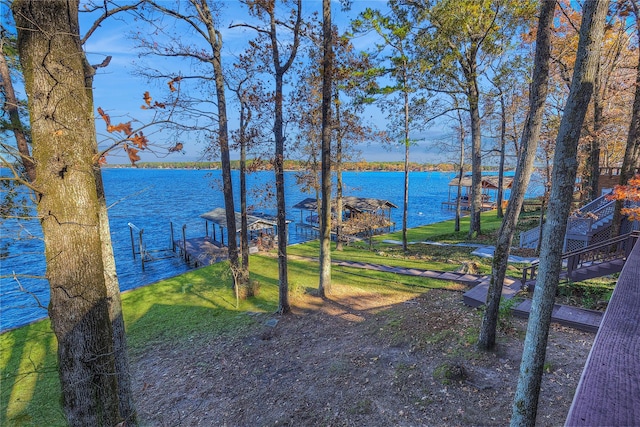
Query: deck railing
608, 393
584, 223
590, 216
615, 248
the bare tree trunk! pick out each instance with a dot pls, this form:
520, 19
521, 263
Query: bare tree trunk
503, 145
593, 160
525, 403
278, 131
64, 148
405, 206
460, 173
325, 219
120, 347
223, 139
338, 168
476, 158
244, 232
528, 144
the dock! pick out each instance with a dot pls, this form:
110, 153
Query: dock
201, 251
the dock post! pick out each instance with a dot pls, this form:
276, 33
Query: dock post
184, 243
141, 249
133, 246
173, 243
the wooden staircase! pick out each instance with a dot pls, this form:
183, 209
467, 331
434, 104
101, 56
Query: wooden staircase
588, 224
596, 260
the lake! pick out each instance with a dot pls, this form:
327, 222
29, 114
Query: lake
151, 199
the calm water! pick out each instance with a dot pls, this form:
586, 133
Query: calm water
153, 198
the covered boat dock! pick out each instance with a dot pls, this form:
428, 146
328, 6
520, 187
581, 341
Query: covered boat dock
352, 206
490, 185
211, 248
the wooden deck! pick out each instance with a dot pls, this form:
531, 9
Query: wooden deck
609, 392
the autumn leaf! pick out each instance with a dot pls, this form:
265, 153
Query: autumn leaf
132, 153
175, 148
104, 116
172, 87
139, 140
630, 192
121, 127
147, 99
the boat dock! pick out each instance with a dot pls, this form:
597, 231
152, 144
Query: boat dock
201, 251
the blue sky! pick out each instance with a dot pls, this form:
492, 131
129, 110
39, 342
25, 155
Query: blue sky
119, 91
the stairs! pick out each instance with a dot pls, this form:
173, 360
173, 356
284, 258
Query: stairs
598, 270
596, 260
588, 224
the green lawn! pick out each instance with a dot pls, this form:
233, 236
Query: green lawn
200, 303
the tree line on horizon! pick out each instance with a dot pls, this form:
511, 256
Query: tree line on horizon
300, 165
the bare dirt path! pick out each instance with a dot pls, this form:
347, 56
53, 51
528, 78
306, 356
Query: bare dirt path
360, 359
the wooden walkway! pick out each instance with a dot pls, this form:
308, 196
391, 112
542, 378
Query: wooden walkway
577, 318
608, 392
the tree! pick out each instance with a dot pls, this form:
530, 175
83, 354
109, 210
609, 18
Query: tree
610, 98
632, 150
243, 82
528, 144
324, 286
201, 18
268, 36
606, 123
525, 403
461, 38
64, 150
11, 106
395, 30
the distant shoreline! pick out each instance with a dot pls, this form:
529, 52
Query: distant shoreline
294, 165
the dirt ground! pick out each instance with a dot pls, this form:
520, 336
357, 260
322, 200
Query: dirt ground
358, 360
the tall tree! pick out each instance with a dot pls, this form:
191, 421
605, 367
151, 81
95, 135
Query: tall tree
606, 123
525, 403
324, 286
243, 82
528, 144
64, 150
460, 40
201, 17
394, 29
268, 36
631, 158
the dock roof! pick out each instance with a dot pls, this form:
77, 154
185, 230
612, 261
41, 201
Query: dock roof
360, 204
488, 181
219, 216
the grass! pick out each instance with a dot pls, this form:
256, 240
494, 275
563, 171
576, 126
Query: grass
200, 304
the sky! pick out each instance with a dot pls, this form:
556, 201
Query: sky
118, 90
